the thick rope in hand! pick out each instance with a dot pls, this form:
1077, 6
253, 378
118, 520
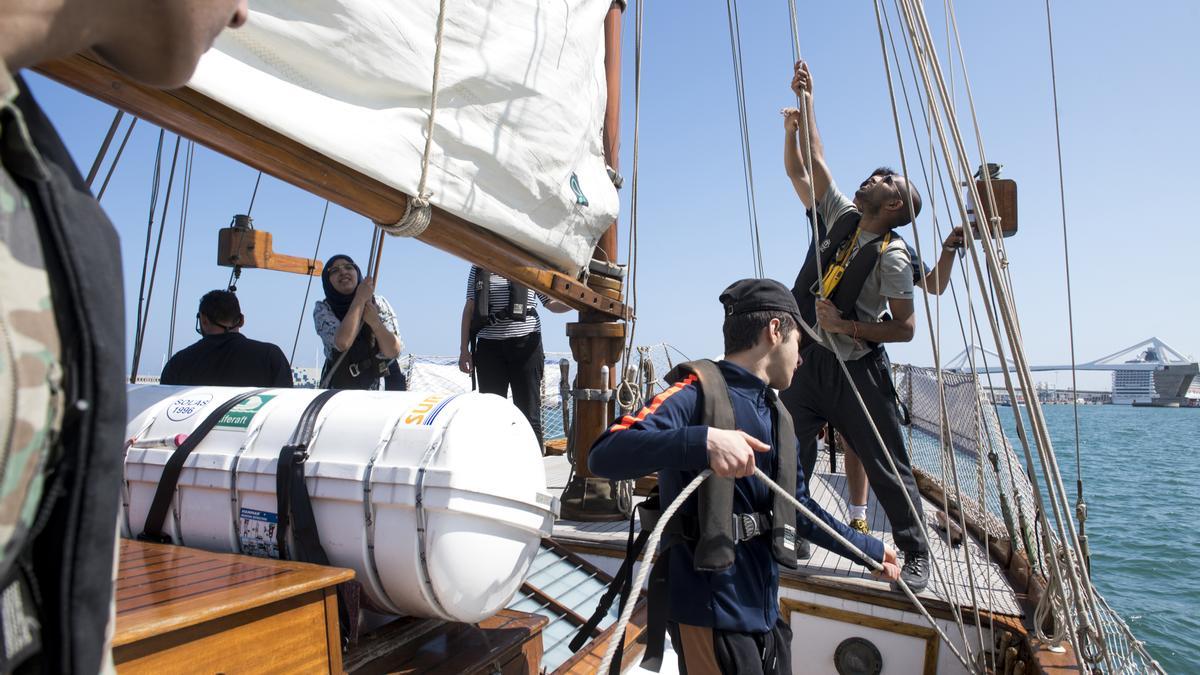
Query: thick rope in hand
652, 547
618, 635
417, 212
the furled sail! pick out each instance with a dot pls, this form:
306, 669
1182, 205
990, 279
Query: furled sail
517, 143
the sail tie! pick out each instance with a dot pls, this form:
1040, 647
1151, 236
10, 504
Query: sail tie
417, 212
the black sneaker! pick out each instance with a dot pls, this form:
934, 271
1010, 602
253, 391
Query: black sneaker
915, 572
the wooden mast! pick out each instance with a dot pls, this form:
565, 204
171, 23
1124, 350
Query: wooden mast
597, 340
199, 118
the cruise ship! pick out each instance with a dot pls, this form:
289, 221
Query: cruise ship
1168, 385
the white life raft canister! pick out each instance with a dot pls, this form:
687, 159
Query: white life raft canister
458, 552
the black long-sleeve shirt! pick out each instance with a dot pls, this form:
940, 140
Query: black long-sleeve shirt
667, 436
228, 360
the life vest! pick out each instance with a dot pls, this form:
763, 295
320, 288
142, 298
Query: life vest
713, 548
715, 530
488, 312
360, 366
859, 267
58, 593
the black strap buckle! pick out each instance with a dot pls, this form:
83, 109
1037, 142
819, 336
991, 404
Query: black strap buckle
746, 526
354, 370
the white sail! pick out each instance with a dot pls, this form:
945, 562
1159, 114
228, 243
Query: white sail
516, 147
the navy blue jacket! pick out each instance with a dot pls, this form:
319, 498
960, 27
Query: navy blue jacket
667, 436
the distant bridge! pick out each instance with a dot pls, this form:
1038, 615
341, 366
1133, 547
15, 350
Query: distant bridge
1148, 373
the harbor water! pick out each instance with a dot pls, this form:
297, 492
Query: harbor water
1141, 481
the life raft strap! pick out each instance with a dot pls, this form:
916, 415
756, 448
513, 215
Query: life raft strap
152, 531
295, 512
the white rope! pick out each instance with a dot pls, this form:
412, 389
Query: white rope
1083, 590
651, 550
618, 635
935, 341
417, 213
818, 334
1002, 300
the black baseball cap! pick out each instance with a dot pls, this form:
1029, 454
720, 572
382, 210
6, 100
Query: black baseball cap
758, 295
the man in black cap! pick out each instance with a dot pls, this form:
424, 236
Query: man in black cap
223, 356
723, 605
860, 295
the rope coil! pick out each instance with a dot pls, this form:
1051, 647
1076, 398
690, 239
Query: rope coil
417, 212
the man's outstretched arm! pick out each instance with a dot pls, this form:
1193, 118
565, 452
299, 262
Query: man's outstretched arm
812, 152
874, 548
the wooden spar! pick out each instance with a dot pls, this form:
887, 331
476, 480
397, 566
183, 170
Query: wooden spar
596, 340
606, 249
199, 118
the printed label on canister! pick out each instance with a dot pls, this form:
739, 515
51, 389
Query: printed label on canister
257, 531
183, 408
240, 415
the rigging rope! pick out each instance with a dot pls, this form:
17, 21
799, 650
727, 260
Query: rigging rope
1092, 640
1011, 328
116, 158
1080, 504
155, 181
631, 256
944, 415
739, 86
417, 213
144, 315
235, 274
308, 286
112, 131
185, 200
818, 334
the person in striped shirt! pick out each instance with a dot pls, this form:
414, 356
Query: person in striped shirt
501, 341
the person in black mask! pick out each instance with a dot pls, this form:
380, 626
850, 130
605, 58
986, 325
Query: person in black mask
223, 356
358, 329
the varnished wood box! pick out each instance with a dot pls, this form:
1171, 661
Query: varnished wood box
185, 610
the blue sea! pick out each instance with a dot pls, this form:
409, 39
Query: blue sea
1141, 481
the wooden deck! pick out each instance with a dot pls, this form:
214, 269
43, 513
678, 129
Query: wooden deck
954, 564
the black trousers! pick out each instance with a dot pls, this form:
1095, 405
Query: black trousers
732, 653
517, 363
820, 394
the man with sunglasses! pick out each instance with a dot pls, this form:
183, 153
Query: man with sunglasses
223, 356
859, 297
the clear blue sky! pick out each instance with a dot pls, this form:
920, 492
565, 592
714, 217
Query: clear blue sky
1127, 88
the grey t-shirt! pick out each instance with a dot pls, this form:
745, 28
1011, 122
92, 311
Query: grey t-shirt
891, 278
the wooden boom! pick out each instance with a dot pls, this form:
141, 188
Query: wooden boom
195, 116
